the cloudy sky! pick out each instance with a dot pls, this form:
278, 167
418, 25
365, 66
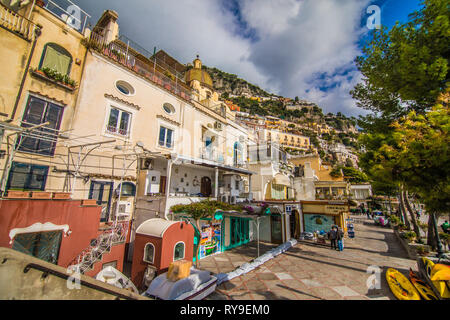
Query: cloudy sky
302, 48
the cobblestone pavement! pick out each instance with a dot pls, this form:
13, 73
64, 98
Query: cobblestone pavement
315, 272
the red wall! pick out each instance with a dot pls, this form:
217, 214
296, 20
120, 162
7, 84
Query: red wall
163, 250
175, 233
82, 221
138, 265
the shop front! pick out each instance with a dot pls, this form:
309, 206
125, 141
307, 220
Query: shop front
217, 236
210, 239
282, 223
236, 231
320, 216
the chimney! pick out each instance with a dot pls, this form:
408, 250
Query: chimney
107, 26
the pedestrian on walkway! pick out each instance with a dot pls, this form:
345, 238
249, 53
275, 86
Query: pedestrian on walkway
340, 239
446, 227
332, 235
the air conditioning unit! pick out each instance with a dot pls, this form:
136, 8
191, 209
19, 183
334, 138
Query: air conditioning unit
124, 212
124, 207
218, 126
146, 164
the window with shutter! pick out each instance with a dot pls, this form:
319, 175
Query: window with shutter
24, 176
42, 140
56, 58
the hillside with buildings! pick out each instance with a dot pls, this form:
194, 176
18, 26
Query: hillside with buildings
330, 135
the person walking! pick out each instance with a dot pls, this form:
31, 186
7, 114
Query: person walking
332, 235
446, 227
340, 239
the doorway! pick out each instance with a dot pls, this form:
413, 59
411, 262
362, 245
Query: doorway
239, 232
205, 188
276, 229
101, 191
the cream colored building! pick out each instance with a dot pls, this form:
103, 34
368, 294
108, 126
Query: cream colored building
288, 140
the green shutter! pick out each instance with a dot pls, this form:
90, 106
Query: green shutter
56, 61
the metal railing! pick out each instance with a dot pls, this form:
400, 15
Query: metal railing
68, 12
122, 54
16, 23
102, 245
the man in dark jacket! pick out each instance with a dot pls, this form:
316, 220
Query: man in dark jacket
333, 235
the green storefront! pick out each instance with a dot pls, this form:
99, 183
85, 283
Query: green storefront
235, 231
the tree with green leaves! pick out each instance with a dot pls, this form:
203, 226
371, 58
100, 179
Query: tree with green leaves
203, 210
405, 70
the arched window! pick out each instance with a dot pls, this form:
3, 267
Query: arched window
149, 253
56, 58
128, 189
178, 252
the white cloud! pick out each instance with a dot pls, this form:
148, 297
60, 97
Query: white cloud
297, 40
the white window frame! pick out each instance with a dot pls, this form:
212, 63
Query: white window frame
122, 108
145, 253
184, 250
165, 138
174, 135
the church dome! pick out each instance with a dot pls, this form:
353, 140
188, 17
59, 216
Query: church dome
197, 73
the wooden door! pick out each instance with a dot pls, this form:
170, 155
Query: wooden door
205, 188
162, 185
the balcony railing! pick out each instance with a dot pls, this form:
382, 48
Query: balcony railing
16, 23
68, 12
211, 154
125, 56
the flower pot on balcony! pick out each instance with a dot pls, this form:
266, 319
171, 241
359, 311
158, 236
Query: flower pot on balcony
62, 195
40, 3
41, 195
18, 194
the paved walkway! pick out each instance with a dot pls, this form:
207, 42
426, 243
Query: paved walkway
313, 272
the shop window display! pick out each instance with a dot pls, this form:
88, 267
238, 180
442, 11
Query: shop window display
210, 242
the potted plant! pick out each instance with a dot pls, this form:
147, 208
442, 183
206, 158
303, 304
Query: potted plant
410, 236
423, 250
401, 226
40, 3
394, 220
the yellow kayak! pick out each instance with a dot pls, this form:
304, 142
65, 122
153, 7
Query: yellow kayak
438, 274
429, 265
425, 291
400, 286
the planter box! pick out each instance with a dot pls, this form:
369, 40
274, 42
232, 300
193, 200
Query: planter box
62, 195
18, 194
41, 75
89, 203
410, 248
41, 195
